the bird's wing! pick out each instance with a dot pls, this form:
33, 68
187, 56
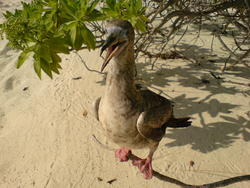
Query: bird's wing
156, 111
96, 108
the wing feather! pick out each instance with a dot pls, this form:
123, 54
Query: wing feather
156, 111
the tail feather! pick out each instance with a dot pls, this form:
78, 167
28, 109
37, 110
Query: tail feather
179, 122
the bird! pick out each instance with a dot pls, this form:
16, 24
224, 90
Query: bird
133, 117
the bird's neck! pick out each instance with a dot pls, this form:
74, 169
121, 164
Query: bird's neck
121, 75
124, 64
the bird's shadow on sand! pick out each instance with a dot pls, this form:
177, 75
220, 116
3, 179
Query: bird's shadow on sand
206, 136
212, 136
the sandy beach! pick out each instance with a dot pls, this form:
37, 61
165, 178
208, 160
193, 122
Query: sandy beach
46, 126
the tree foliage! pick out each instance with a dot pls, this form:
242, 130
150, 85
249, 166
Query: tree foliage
43, 29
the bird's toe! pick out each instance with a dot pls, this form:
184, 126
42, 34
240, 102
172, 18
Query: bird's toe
122, 154
145, 166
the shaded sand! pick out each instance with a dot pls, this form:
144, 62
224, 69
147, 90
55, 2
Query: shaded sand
46, 137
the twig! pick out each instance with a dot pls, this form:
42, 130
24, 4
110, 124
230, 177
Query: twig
163, 48
212, 43
167, 55
168, 179
216, 77
240, 59
98, 45
181, 37
228, 49
237, 44
84, 63
101, 144
188, 13
225, 63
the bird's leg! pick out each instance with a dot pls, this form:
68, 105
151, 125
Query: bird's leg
123, 154
145, 165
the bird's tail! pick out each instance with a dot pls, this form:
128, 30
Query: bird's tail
179, 122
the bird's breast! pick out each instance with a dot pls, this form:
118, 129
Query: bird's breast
119, 119
119, 115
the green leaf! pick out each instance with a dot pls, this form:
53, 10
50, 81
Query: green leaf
88, 37
140, 25
37, 67
56, 58
93, 5
68, 25
73, 33
111, 3
45, 53
118, 7
138, 4
58, 45
22, 58
54, 67
110, 13
46, 67
95, 15
7, 14
79, 39
144, 18
66, 5
83, 6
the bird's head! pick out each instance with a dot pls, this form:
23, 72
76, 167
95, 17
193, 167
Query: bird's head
120, 37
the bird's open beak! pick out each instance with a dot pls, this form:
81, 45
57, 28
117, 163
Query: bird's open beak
113, 47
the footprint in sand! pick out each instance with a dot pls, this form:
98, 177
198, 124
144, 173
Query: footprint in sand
2, 115
2, 5
9, 84
5, 50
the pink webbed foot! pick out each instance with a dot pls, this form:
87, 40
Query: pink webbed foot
122, 154
145, 166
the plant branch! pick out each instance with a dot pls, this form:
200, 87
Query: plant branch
85, 65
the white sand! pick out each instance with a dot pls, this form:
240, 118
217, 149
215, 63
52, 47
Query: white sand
45, 141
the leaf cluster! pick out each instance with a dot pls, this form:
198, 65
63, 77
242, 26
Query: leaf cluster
45, 28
